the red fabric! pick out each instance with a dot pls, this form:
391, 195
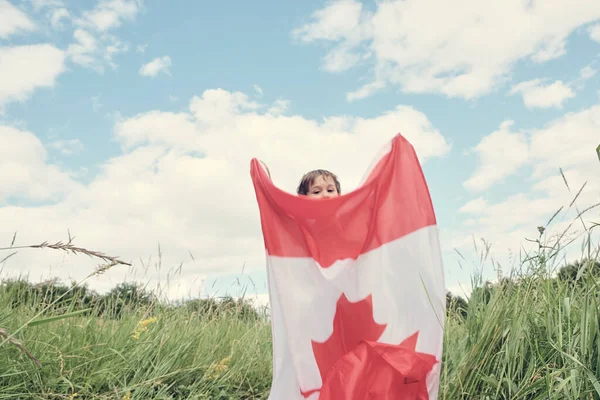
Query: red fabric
344, 227
353, 323
378, 371
354, 366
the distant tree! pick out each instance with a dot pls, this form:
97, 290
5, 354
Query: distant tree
54, 296
583, 268
18, 290
63, 297
125, 296
203, 307
224, 307
456, 304
482, 294
50, 295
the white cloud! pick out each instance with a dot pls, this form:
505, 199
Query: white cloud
57, 16
89, 51
365, 91
258, 89
110, 14
82, 52
156, 66
279, 107
41, 4
67, 147
182, 180
569, 143
538, 94
141, 48
94, 46
337, 21
150, 127
54, 10
24, 172
13, 20
587, 72
340, 59
218, 105
113, 48
464, 50
501, 153
24, 69
595, 33
475, 206
340, 20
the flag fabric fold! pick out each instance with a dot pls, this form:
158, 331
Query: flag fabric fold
379, 371
356, 285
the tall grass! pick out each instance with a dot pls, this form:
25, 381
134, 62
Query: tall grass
154, 352
529, 336
534, 337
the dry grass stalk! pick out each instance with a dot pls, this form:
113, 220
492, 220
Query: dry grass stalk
68, 247
103, 268
20, 346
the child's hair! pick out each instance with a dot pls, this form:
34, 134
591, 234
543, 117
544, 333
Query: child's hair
309, 178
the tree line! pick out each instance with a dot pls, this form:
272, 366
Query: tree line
572, 275
54, 297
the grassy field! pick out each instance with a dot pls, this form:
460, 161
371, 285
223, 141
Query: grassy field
533, 335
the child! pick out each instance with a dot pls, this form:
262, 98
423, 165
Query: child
319, 184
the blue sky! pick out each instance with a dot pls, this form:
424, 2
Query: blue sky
127, 159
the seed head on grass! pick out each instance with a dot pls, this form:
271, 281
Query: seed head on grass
20, 346
103, 268
70, 248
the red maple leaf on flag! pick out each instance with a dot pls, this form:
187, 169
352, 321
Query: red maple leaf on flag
355, 366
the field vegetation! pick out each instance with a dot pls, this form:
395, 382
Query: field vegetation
534, 334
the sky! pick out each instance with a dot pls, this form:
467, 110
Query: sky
129, 126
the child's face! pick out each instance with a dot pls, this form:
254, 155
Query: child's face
322, 187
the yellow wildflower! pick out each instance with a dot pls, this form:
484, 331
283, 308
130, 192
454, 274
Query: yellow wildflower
127, 396
214, 371
142, 326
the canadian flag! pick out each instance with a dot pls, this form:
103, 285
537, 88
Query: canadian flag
356, 285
